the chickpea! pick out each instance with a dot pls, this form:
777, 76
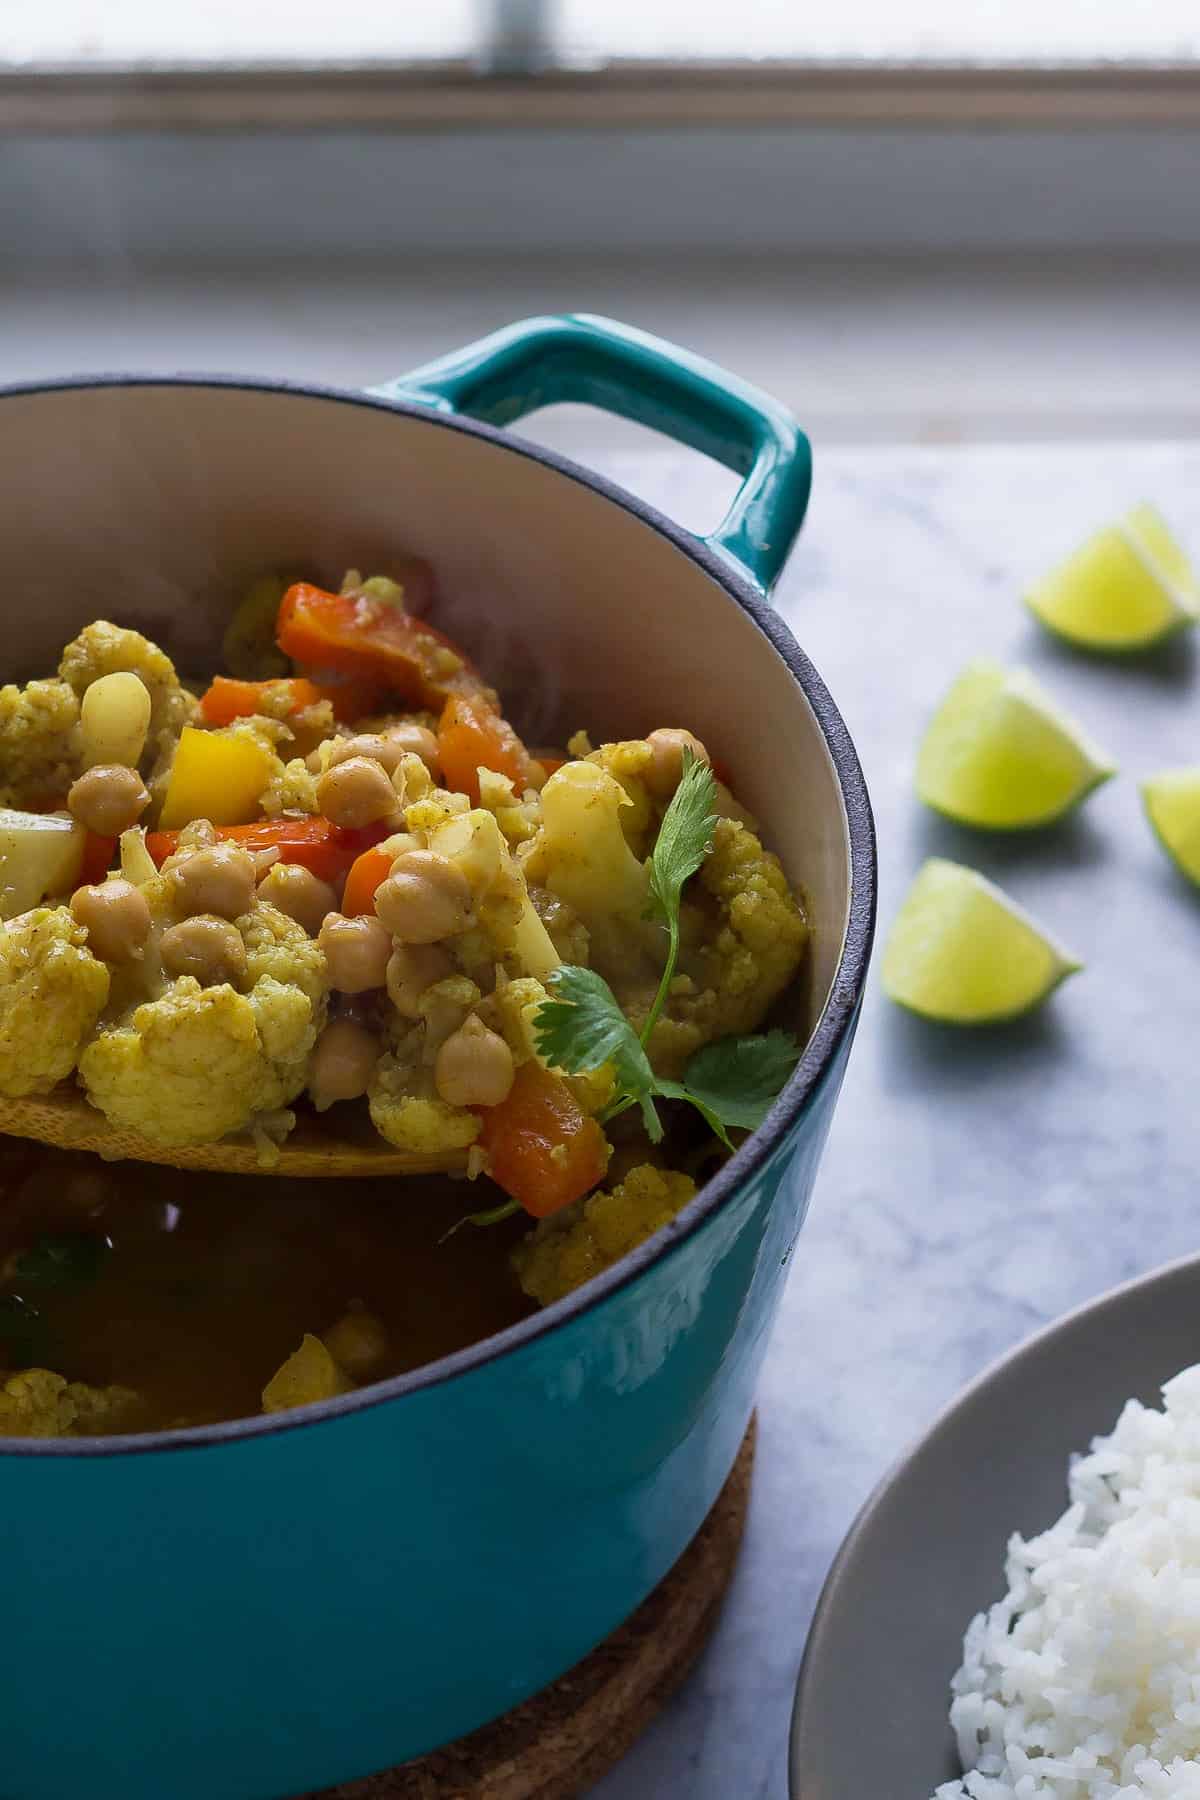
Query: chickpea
299, 893
662, 773
343, 1063
356, 952
209, 948
356, 792
368, 743
410, 739
219, 879
108, 799
474, 1066
411, 969
426, 897
116, 918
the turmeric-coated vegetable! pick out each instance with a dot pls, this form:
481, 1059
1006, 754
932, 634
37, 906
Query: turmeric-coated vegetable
369, 871
326, 849
309, 1374
471, 736
216, 775
359, 634
40, 854
227, 700
542, 1147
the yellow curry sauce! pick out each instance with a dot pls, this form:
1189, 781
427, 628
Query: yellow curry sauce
193, 1289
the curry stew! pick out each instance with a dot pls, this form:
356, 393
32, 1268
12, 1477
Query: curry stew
335, 878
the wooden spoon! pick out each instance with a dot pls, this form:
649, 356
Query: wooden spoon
317, 1147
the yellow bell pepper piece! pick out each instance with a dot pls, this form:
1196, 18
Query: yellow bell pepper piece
217, 775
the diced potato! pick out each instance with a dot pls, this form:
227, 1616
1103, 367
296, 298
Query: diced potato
40, 854
218, 776
309, 1374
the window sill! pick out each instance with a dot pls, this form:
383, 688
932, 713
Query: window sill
617, 97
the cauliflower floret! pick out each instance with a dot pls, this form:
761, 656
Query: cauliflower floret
517, 818
40, 745
506, 930
38, 1403
199, 1063
582, 856
404, 1103
52, 991
627, 763
292, 789
744, 936
420, 1123
277, 946
573, 1246
102, 649
511, 1010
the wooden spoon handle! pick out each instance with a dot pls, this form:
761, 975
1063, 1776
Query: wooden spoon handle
65, 1119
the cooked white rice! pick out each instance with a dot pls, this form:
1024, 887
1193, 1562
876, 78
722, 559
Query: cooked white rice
1083, 1683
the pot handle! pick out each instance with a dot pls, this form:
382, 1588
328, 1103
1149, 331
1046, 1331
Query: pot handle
581, 357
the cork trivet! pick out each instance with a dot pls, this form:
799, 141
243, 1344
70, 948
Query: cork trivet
554, 1746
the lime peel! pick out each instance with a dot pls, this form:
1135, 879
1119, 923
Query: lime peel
1126, 588
1000, 754
963, 952
1172, 803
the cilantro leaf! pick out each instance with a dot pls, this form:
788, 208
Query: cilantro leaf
739, 1078
675, 1090
684, 838
582, 1027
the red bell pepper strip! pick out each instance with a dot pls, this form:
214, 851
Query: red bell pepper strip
98, 853
357, 634
369, 871
327, 850
472, 735
542, 1147
227, 700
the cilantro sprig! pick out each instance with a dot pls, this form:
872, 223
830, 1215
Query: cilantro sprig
582, 1027
731, 1082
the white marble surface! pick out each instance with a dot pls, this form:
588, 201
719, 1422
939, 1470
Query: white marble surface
975, 1186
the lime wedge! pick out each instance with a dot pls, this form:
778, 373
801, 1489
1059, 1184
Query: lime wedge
1172, 802
1127, 587
962, 952
999, 753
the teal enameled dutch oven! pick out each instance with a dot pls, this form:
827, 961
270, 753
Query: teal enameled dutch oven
267, 1607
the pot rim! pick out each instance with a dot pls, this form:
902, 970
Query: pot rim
832, 1025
